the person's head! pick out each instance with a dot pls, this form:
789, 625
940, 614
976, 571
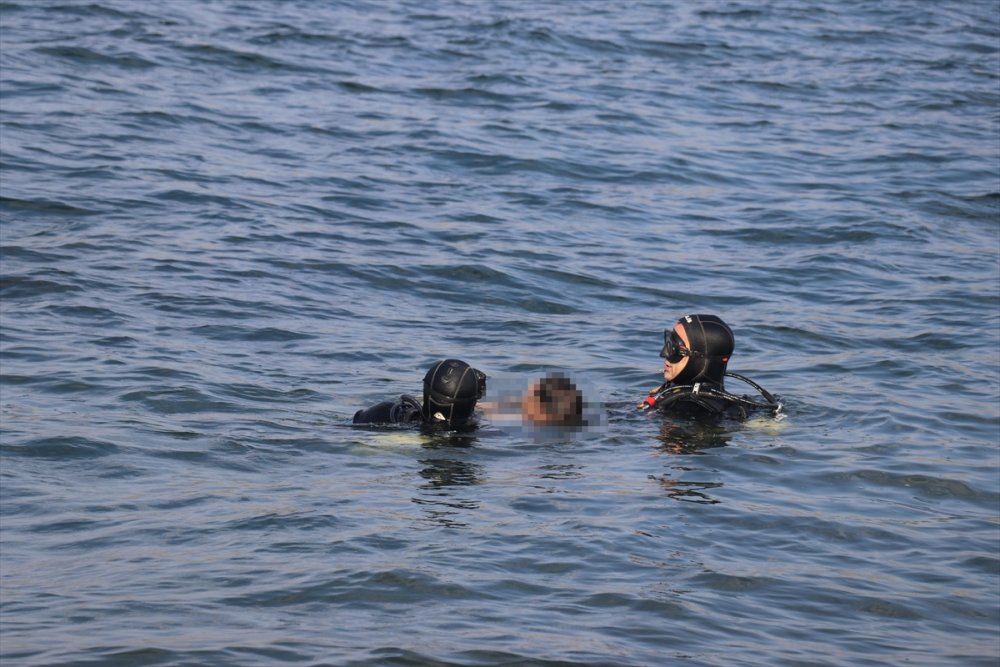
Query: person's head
553, 401
697, 349
451, 389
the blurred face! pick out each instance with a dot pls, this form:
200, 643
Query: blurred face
672, 370
531, 406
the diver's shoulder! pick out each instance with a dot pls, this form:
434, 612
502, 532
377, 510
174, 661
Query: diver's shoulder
404, 409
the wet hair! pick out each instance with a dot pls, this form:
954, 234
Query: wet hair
711, 343
559, 401
451, 389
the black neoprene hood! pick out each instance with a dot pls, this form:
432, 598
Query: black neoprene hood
451, 389
711, 343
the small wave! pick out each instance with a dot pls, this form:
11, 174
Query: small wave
190, 197
43, 206
464, 95
86, 56
241, 60
471, 273
924, 486
61, 447
233, 332
30, 255
23, 287
267, 395
179, 400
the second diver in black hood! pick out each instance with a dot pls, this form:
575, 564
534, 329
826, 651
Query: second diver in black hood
696, 352
451, 389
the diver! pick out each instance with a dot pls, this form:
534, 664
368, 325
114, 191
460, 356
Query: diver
695, 352
451, 389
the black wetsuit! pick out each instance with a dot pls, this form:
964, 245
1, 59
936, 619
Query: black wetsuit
710, 400
701, 407
404, 410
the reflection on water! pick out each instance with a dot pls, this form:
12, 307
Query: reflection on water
688, 491
680, 438
445, 475
442, 473
434, 438
227, 225
560, 471
552, 477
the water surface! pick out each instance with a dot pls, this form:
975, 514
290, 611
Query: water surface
228, 225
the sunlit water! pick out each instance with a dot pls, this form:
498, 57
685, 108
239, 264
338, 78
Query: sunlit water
228, 225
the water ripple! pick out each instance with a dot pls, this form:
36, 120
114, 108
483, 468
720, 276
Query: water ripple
226, 226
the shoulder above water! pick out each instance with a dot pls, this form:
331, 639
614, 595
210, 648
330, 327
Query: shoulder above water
406, 409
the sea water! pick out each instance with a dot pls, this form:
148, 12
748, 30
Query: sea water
229, 224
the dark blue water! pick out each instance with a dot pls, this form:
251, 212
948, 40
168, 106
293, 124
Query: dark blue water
227, 225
